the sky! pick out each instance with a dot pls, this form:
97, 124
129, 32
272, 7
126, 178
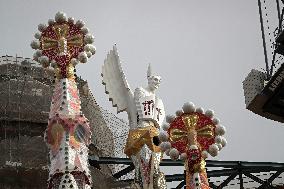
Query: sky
202, 49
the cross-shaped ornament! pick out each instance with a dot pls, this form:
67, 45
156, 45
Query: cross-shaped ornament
191, 131
60, 45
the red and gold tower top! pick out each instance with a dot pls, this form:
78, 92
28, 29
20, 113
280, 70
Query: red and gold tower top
63, 44
190, 136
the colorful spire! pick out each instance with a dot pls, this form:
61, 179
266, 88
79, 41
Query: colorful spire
63, 44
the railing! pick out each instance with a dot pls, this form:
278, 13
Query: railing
229, 169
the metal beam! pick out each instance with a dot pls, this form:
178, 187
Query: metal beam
241, 180
273, 62
269, 181
225, 164
255, 178
209, 163
231, 169
175, 177
169, 162
124, 171
280, 19
111, 160
274, 176
212, 185
263, 41
278, 12
229, 179
219, 173
181, 185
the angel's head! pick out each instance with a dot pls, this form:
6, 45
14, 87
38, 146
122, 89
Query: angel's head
153, 80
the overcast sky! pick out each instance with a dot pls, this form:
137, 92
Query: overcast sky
202, 49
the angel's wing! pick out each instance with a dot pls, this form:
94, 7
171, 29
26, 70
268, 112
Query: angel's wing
116, 85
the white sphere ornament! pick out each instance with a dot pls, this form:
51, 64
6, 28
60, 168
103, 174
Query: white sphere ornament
93, 49
174, 154
37, 35
183, 156
35, 44
188, 107
89, 54
41, 27
88, 47
51, 22
213, 150
204, 154
167, 152
53, 63
74, 61
83, 58
80, 23
219, 146
220, 130
216, 121
168, 145
165, 126
224, 142
179, 112
200, 110
89, 39
170, 118
71, 20
60, 17
163, 136
193, 147
39, 53
44, 60
163, 147
218, 139
209, 113
35, 56
85, 30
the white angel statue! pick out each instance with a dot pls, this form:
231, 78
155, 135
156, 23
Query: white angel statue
145, 114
